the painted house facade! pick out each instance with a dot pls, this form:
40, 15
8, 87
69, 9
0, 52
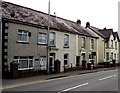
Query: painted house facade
108, 46
25, 40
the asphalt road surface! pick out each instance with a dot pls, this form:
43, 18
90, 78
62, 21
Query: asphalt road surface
98, 81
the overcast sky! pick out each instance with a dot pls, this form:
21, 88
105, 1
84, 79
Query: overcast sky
100, 13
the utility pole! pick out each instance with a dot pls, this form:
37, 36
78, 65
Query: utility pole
48, 45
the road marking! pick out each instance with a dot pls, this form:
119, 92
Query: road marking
74, 87
41, 81
107, 77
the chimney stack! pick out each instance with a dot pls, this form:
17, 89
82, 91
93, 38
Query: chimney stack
87, 24
78, 22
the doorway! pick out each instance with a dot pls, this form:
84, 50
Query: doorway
51, 62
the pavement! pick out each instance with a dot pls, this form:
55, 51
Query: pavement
8, 82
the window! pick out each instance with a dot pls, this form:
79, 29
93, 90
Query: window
22, 36
43, 63
111, 43
107, 56
116, 45
107, 44
65, 59
91, 44
24, 62
115, 56
42, 38
66, 40
83, 42
52, 39
111, 57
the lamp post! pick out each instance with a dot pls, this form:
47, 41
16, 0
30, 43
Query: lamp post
48, 48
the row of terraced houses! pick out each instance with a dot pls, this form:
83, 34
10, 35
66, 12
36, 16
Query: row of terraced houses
25, 41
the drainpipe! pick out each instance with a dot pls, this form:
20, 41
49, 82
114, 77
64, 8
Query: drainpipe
1, 46
97, 52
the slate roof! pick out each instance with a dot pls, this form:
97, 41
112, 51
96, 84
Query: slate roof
15, 12
96, 30
116, 36
105, 33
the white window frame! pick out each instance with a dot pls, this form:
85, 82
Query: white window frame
52, 38
83, 43
26, 58
66, 65
40, 36
91, 44
43, 66
65, 35
23, 32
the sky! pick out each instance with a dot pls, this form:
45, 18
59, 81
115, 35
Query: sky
100, 13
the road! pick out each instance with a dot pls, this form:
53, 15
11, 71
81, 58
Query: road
98, 81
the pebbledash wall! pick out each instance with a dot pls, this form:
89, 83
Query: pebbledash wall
21, 49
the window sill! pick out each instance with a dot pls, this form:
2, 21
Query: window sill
91, 49
66, 47
52, 45
41, 44
83, 47
27, 69
22, 42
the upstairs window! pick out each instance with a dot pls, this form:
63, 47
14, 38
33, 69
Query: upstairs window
52, 39
107, 44
42, 38
91, 44
22, 36
111, 43
83, 42
66, 40
116, 45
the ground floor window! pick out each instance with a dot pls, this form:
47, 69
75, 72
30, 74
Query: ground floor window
24, 62
43, 63
107, 56
111, 57
83, 56
66, 60
115, 56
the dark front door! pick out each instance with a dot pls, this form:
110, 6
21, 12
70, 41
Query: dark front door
51, 64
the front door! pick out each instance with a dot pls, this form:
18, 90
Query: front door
43, 63
51, 64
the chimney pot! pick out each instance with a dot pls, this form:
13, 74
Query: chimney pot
87, 24
78, 22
